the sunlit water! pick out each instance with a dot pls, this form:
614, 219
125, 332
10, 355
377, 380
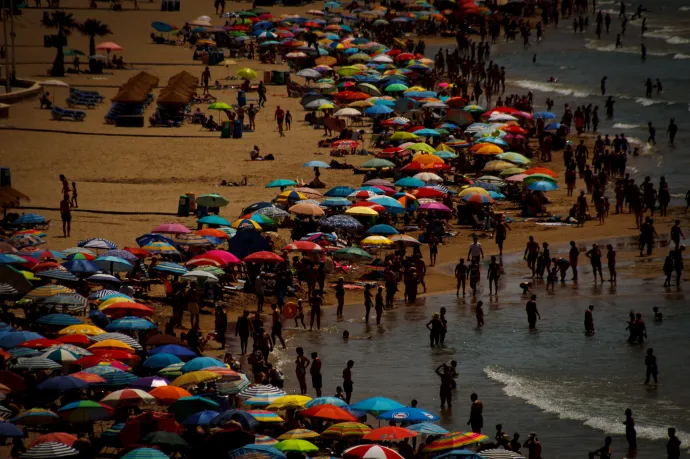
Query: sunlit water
570, 388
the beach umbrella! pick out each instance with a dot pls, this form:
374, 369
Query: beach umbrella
58, 437
148, 383
202, 418
145, 453
339, 192
200, 363
370, 452
36, 417
296, 434
376, 405
377, 110
297, 445
257, 451
427, 428
245, 419
128, 340
258, 390
281, 183
14, 339
233, 387
510, 171
246, 73
335, 401
265, 416
262, 399
194, 378
335, 202
171, 228
347, 430
49, 450
376, 241
113, 264
60, 355
85, 411
454, 440
160, 361
477, 198
171, 268
10, 430
410, 182
130, 323
382, 230
408, 414
97, 243
497, 454
58, 319
173, 349
353, 254
302, 246
7, 290
389, 433
544, 115
169, 394
263, 257
541, 170
542, 185
166, 440
307, 209
17, 352
117, 378
127, 397
62, 384
329, 413
172, 371
467, 454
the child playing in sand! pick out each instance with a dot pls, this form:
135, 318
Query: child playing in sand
73, 202
300, 315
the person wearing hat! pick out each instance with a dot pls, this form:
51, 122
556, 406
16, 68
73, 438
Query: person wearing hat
533, 445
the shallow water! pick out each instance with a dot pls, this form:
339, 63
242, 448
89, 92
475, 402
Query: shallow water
570, 388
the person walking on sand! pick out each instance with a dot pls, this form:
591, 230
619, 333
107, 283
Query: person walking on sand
315, 372
676, 234
74, 202
301, 365
243, 330
531, 253
532, 312
66, 216
279, 118
205, 79
348, 385
476, 417
261, 90
288, 120
652, 368
315, 302
475, 253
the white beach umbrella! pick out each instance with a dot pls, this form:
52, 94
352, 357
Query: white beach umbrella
347, 112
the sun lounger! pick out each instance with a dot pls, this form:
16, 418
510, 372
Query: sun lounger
60, 113
76, 102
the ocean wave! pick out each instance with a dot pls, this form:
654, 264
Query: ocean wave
684, 8
625, 126
611, 48
550, 87
645, 148
681, 56
576, 400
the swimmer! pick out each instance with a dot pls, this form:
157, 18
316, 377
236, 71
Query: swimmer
525, 286
652, 369
589, 319
347, 337
658, 316
479, 311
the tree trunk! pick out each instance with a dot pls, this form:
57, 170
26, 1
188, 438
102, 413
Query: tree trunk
92, 45
58, 69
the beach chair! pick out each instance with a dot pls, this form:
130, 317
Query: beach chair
59, 114
76, 102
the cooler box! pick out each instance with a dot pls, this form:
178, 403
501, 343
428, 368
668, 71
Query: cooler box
225, 132
183, 206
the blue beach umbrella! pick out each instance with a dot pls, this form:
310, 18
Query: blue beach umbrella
63, 320
58, 274
320, 164
378, 110
119, 253
116, 378
199, 363
62, 384
149, 238
326, 401
247, 420
281, 183
159, 361
383, 230
339, 192
408, 414
14, 339
162, 26
376, 405
542, 185
427, 428
552, 127
544, 115
8, 429
81, 266
130, 323
171, 268
202, 418
214, 220
410, 182
113, 264
173, 349
19, 352
336, 202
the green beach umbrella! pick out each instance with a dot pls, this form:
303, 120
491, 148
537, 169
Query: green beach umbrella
377, 163
297, 445
212, 200
281, 183
352, 254
396, 87
348, 71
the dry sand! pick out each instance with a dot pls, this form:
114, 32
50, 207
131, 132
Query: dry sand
146, 170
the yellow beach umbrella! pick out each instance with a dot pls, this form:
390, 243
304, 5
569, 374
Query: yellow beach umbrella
111, 344
289, 402
472, 190
494, 166
326, 107
195, 377
403, 135
246, 73
380, 241
420, 147
296, 434
444, 147
489, 149
362, 211
415, 89
347, 430
82, 329
114, 300
361, 104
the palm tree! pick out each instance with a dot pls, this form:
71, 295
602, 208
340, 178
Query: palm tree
64, 22
93, 28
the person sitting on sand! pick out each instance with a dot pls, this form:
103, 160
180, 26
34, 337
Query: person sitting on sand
210, 124
254, 155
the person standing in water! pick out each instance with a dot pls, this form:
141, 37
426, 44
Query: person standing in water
603, 86
493, 273
315, 372
532, 312
630, 432
676, 234
673, 445
479, 312
672, 131
348, 385
446, 390
476, 417
573, 254
434, 325
611, 259
379, 305
367, 302
301, 365
589, 319
461, 276
652, 368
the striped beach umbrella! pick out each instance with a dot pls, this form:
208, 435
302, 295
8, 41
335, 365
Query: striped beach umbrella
103, 293
74, 302
346, 430
299, 434
262, 399
265, 416
265, 440
258, 390
145, 453
49, 450
35, 364
36, 417
172, 371
7, 290
170, 268
59, 437
160, 248
101, 370
63, 320
128, 340
370, 452
18, 352
118, 378
46, 291
335, 401
58, 274
454, 440
127, 397
85, 411
233, 387
60, 355
97, 243
256, 452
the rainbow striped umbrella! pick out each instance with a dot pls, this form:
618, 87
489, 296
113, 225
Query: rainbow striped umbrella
265, 440
298, 434
36, 417
46, 291
85, 411
454, 440
347, 430
265, 416
262, 399
160, 247
233, 387
127, 397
